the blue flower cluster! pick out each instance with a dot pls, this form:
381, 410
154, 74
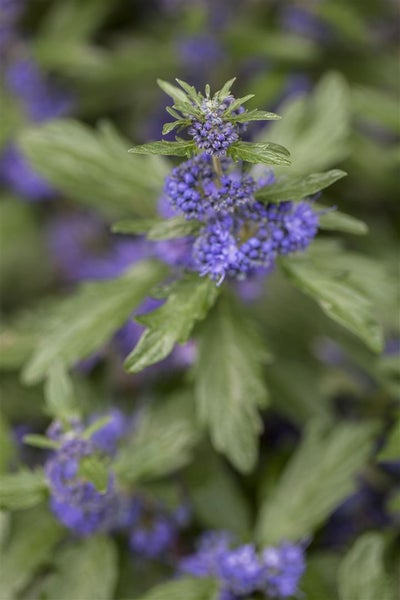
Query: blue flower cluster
239, 235
212, 132
77, 503
75, 500
153, 529
275, 572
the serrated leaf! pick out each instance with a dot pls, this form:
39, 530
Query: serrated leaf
186, 588
318, 477
86, 569
172, 90
254, 115
294, 187
266, 153
34, 536
190, 91
86, 321
238, 102
229, 384
189, 301
226, 89
22, 489
162, 442
337, 296
168, 127
175, 227
60, 396
94, 168
338, 221
316, 128
180, 148
362, 574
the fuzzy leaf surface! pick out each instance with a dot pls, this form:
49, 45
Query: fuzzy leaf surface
162, 442
319, 475
297, 187
34, 536
265, 153
85, 569
186, 588
94, 168
87, 320
338, 221
338, 296
22, 489
229, 384
362, 574
189, 301
180, 148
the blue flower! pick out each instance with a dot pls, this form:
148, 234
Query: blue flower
283, 567
204, 562
212, 131
107, 437
74, 500
153, 539
184, 187
240, 570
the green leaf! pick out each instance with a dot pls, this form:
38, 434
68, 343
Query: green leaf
320, 474
94, 469
216, 496
319, 580
266, 153
174, 92
229, 383
86, 569
337, 296
72, 21
189, 301
294, 187
316, 128
362, 574
40, 441
180, 148
59, 392
391, 449
376, 106
134, 226
158, 229
22, 489
168, 127
7, 449
190, 91
162, 442
338, 221
86, 321
254, 115
186, 588
94, 168
174, 227
226, 89
33, 538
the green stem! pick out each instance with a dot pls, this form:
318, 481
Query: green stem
217, 167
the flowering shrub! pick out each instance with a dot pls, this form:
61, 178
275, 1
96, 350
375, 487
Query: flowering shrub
200, 346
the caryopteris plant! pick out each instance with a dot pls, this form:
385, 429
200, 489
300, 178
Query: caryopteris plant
208, 236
